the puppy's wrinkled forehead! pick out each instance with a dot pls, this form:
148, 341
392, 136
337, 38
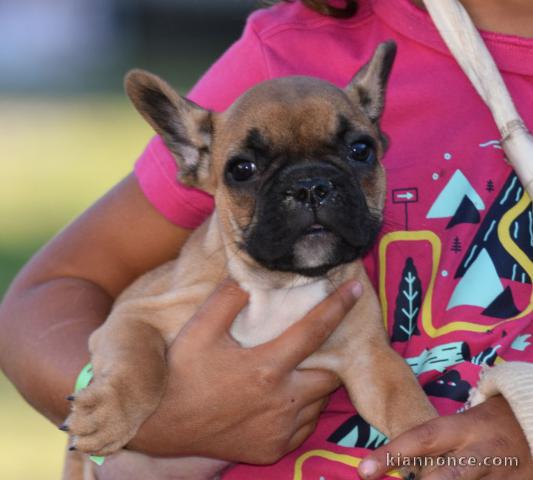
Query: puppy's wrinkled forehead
296, 114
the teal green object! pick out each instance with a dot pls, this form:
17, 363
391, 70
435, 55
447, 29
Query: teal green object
351, 439
84, 378
521, 343
452, 195
480, 284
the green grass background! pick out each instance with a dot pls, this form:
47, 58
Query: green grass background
57, 155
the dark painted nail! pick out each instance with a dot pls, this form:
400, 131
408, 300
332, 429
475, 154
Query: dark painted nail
72, 448
63, 427
70, 398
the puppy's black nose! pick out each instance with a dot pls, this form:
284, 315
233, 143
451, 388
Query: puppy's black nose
311, 191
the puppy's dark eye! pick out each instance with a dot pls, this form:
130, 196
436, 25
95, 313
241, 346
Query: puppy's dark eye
361, 151
242, 170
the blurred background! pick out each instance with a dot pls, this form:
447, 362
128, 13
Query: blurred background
68, 133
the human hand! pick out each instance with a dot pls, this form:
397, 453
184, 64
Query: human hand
474, 442
242, 404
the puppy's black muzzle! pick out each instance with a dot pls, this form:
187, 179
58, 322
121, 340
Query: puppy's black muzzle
320, 207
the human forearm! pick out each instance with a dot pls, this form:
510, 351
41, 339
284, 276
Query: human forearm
43, 342
66, 291
513, 380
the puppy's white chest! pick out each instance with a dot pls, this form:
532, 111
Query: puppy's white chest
270, 312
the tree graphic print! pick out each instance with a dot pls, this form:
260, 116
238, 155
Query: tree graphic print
408, 304
456, 245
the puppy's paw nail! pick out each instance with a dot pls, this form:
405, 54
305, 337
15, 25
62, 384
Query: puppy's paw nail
72, 448
411, 476
71, 398
63, 427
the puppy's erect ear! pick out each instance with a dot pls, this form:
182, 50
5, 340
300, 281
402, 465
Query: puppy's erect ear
185, 127
367, 87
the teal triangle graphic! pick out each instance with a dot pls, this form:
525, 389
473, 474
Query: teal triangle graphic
452, 195
351, 439
480, 284
521, 342
376, 438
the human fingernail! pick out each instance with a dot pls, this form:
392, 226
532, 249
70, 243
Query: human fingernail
368, 468
357, 290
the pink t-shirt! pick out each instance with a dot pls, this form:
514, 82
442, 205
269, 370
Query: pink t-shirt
453, 264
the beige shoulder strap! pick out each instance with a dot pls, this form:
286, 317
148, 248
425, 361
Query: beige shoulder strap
467, 46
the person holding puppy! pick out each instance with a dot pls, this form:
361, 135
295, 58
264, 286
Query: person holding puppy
452, 265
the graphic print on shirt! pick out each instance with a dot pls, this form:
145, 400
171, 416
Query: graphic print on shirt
357, 433
450, 385
405, 196
444, 356
521, 343
458, 201
439, 358
408, 302
499, 253
343, 466
457, 246
479, 286
483, 281
501, 249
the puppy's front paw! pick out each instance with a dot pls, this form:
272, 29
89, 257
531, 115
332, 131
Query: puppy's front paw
100, 421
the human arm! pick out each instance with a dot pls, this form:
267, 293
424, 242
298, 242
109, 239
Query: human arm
486, 434
66, 291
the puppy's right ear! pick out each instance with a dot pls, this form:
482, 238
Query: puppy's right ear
185, 127
367, 87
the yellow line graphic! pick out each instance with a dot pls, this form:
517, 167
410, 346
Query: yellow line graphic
504, 234
334, 457
427, 305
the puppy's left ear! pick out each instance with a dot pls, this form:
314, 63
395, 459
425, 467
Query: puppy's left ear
367, 88
185, 127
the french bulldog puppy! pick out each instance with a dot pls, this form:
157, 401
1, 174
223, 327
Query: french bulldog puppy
294, 167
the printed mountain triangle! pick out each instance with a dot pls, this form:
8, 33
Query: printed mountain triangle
479, 286
451, 199
487, 238
408, 302
466, 213
355, 432
450, 385
503, 306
